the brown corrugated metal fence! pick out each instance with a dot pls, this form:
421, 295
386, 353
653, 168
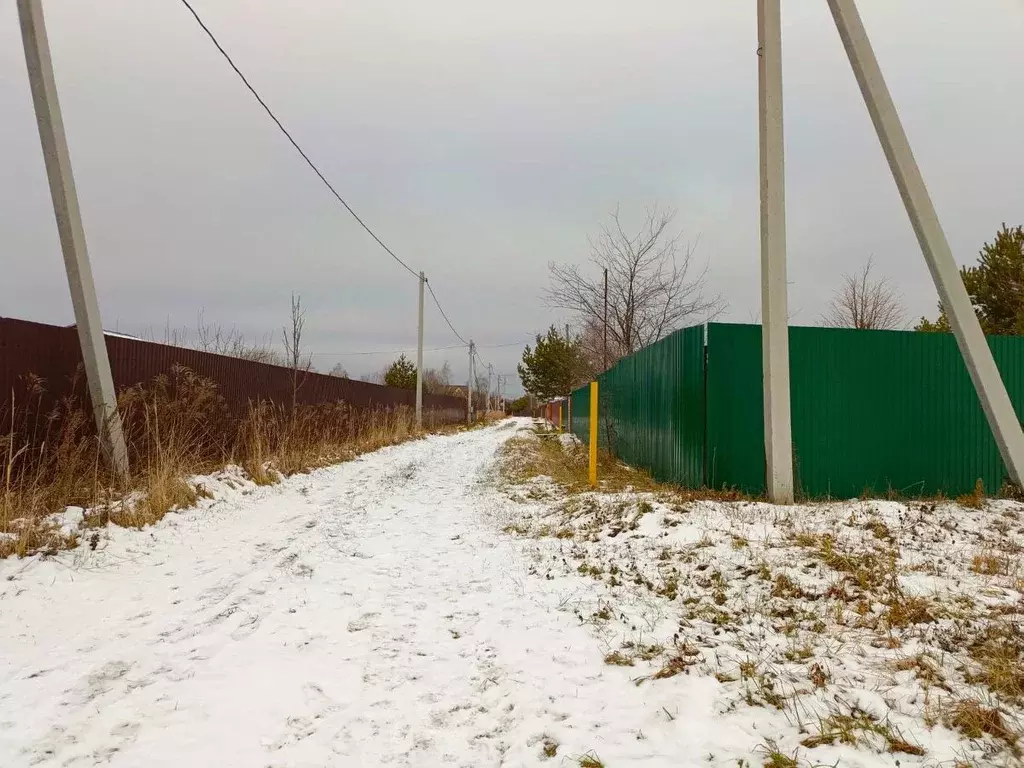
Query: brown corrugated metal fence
52, 353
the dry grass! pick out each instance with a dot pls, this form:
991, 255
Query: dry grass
976, 498
999, 654
974, 720
925, 668
569, 467
903, 611
860, 727
677, 663
991, 563
618, 659
176, 426
542, 454
773, 758
549, 747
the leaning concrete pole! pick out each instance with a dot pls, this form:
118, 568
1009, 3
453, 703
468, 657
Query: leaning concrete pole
778, 437
72, 234
995, 401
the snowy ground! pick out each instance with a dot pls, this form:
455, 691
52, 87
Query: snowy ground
414, 608
857, 633
366, 614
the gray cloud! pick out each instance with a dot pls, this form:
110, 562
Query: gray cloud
482, 141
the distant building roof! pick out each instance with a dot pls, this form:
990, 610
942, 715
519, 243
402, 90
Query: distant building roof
115, 334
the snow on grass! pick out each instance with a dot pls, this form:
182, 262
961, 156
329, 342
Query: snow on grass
859, 632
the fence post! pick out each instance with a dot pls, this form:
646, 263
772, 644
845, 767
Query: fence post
593, 434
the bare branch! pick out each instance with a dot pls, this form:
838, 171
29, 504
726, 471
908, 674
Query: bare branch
654, 287
300, 361
865, 302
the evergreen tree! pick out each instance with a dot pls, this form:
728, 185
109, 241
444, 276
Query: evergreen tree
554, 367
401, 374
995, 285
519, 404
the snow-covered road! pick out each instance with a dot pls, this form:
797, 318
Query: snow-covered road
367, 614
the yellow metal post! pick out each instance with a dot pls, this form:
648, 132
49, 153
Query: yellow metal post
593, 433
559, 422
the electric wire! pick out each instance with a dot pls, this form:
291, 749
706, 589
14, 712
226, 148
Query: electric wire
316, 170
436, 302
294, 143
385, 351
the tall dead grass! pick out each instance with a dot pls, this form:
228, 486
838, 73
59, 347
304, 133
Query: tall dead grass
176, 426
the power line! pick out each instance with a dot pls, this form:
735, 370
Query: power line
384, 351
499, 346
434, 297
296, 144
313, 166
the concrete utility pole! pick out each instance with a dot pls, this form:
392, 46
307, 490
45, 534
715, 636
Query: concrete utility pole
72, 233
1002, 418
419, 361
778, 438
469, 386
490, 375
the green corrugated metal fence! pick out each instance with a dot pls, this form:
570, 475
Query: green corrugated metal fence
735, 412
871, 411
581, 413
652, 408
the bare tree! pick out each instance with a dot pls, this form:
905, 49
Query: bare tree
339, 371
438, 381
300, 361
864, 301
481, 394
215, 339
653, 288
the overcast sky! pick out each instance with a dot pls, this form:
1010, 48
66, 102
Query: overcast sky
482, 140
